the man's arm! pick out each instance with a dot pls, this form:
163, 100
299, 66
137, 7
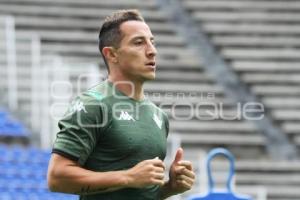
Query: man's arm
67, 176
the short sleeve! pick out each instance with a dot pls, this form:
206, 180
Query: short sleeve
80, 130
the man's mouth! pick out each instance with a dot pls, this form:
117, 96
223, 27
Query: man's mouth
151, 64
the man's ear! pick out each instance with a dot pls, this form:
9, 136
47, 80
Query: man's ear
110, 54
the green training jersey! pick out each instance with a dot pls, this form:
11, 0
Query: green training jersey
105, 130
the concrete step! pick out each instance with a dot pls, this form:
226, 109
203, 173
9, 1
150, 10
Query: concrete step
258, 28
243, 5
245, 16
72, 11
266, 66
212, 126
261, 53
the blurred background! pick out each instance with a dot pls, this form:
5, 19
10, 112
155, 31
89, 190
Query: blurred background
228, 76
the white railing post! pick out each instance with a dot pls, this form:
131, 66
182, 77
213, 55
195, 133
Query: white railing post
12, 84
44, 131
35, 82
3, 57
47, 125
59, 101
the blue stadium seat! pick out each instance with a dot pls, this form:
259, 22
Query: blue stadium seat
34, 185
10, 127
15, 129
34, 196
40, 174
3, 115
18, 154
14, 185
6, 157
3, 150
11, 172
39, 156
20, 196
45, 156
2, 122
6, 196
3, 187
23, 174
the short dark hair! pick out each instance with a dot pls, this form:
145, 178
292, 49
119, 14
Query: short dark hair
110, 34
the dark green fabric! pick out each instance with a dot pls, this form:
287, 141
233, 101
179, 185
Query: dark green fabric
106, 131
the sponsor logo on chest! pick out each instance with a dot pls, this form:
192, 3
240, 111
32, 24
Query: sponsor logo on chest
125, 116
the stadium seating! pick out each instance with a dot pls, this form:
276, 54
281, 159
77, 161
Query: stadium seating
10, 127
23, 174
260, 40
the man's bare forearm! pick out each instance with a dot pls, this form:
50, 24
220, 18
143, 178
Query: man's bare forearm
68, 177
95, 182
89, 190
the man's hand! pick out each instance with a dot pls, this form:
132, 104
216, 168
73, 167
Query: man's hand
145, 173
181, 174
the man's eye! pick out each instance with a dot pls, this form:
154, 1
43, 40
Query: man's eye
138, 43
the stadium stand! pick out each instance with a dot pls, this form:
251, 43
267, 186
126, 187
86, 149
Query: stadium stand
257, 46
75, 38
10, 127
23, 174
259, 40
279, 178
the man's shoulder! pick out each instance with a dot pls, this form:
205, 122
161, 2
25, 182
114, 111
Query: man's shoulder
96, 94
90, 100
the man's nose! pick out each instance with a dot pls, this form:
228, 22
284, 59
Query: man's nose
151, 50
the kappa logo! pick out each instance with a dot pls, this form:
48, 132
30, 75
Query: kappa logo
157, 120
125, 116
78, 106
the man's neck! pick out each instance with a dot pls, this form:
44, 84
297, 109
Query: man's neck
132, 89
